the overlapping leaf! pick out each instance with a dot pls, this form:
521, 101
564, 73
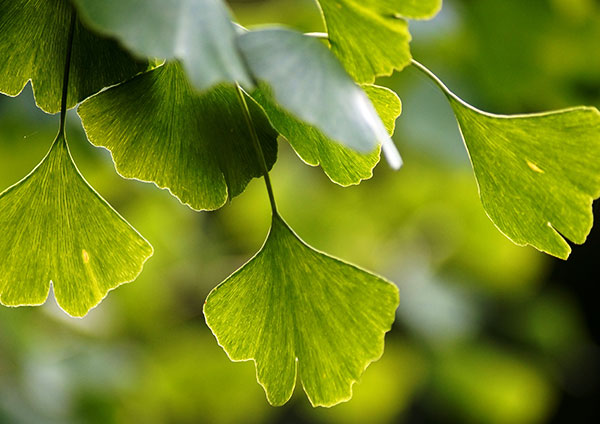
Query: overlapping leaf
341, 164
199, 33
33, 47
160, 129
55, 227
308, 82
299, 313
370, 37
537, 174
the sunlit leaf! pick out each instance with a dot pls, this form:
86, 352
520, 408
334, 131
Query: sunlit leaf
299, 313
199, 33
307, 81
160, 129
55, 227
371, 37
537, 174
33, 45
341, 164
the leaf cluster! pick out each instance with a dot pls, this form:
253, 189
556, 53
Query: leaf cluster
186, 99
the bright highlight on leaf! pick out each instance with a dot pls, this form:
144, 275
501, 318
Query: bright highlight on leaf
160, 129
342, 165
57, 228
299, 313
199, 33
370, 37
307, 80
34, 43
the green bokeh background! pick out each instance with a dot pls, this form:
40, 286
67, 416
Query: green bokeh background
486, 332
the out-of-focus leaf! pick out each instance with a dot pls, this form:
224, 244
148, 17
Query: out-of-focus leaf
57, 228
199, 33
371, 37
485, 384
308, 81
159, 129
298, 312
33, 46
341, 164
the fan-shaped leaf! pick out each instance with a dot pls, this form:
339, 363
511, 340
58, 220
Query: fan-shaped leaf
298, 312
537, 174
160, 129
55, 227
370, 37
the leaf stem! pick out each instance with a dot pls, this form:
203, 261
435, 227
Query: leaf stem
259, 152
65, 86
433, 77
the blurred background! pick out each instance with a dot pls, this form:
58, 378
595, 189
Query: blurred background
486, 332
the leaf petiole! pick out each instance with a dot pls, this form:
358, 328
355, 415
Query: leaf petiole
65, 87
255, 141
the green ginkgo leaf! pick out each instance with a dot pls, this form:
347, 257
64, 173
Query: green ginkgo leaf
160, 129
56, 228
298, 313
199, 33
341, 164
370, 37
537, 174
33, 44
308, 82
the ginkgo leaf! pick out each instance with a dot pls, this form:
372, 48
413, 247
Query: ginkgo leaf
33, 45
341, 164
160, 129
297, 312
370, 37
308, 82
199, 33
537, 174
56, 228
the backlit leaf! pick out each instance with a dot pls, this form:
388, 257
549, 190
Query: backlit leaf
33, 44
370, 37
55, 227
299, 313
199, 33
307, 81
160, 129
537, 174
341, 164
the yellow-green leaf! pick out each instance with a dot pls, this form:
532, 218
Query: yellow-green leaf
537, 174
370, 37
56, 228
300, 314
